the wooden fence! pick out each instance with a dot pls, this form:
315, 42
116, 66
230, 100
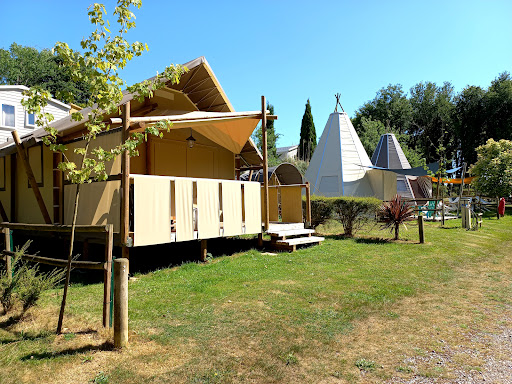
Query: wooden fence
105, 265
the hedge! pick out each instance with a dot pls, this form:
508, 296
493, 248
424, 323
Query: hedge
352, 212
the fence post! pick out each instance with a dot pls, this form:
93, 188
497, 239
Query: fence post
107, 275
420, 229
120, 303
8, 265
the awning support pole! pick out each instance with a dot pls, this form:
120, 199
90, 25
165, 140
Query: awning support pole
265, 161
31, 178
125, 185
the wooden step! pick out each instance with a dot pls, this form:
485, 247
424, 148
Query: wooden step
291, 233
284, 226
291, 244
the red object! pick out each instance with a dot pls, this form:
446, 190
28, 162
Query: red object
501, 207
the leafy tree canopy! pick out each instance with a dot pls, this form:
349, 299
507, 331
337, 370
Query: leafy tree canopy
20, 65
493, 169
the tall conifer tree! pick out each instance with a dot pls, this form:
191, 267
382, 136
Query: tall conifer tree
307, 143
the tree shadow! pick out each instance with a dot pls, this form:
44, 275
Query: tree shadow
12, 320
106, 346
373, 240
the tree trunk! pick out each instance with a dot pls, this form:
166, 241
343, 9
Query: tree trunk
70, 254
397, 228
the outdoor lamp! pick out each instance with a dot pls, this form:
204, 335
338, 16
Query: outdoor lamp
190, 140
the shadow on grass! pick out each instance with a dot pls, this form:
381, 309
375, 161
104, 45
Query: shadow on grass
13, 320
106, 346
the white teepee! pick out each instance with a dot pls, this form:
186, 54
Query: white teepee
389, 154
337, 167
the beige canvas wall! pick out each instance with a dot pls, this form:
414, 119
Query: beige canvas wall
27, 210
383, 183
105, 141
99, 204
171, 156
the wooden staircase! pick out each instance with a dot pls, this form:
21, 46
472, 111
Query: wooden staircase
287, 236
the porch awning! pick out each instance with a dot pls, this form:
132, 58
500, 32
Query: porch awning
230, 130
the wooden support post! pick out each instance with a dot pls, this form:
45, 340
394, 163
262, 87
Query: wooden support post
31, 178
237, 166
13, 188
107, 275
420, 229
260, 240
121, 303
8, 247
266, 212
125, 185
308, 205
204, 250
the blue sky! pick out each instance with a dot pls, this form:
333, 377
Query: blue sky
290, 51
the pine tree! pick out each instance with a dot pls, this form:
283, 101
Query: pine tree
307, 143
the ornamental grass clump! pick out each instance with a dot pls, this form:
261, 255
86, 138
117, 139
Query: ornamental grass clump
395, 213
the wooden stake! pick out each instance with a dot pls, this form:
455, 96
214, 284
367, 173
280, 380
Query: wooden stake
121, 303
266, 212
8, 265
107, 275
31, 178
420, 229
204, 250
308, 205
260, 240
125, 185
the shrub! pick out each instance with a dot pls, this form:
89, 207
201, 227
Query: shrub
321, 209
354, 212
26, 283
395, 213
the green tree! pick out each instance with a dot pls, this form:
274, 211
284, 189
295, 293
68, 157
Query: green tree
103, 56
27, 66
307, 142
498, 106
432, 125
272, 137
469, 119
390, 106
493, 169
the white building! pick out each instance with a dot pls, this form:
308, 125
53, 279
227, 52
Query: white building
287, 153
14, 117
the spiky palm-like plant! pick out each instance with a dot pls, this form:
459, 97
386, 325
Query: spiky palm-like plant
395, 213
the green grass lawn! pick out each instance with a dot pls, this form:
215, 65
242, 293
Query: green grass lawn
253, 317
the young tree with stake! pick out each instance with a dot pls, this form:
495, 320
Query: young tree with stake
103, 55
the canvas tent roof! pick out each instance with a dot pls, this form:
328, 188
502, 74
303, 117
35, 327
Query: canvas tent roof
337, 167
202, 88
389, 154
286, 173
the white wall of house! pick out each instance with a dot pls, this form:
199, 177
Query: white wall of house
288, 153
11, 96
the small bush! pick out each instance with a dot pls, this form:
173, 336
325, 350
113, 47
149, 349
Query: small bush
366, 365
26, 283
354, 212
321, 210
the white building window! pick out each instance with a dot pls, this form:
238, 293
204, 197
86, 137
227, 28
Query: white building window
8, 118
30, 120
